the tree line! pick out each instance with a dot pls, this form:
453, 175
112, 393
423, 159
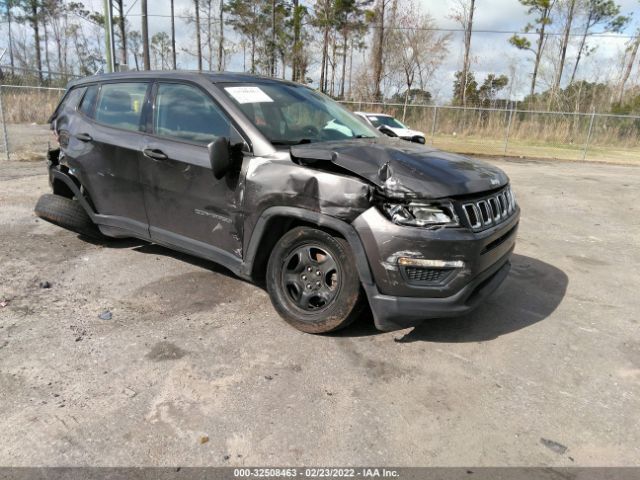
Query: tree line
368, 50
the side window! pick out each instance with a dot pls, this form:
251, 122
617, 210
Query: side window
186, 113
120, 104
89, 99
71, 99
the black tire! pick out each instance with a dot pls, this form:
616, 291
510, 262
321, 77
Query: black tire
332, 299
67, 213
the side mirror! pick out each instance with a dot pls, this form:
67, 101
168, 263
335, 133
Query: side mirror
220, 157
387, 131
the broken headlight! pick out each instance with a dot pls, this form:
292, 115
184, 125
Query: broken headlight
421, 214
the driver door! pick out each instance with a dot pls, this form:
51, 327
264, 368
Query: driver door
186, 205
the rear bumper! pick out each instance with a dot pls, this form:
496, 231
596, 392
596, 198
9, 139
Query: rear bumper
393, 313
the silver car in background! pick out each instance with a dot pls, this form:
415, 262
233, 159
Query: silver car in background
390, 126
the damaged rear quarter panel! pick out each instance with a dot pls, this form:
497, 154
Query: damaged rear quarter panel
276, 181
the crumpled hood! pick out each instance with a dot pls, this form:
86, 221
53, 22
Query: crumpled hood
402, 169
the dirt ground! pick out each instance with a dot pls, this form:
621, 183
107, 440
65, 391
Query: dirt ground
194, 367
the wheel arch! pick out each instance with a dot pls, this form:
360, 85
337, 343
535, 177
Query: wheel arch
67, 186
274, 222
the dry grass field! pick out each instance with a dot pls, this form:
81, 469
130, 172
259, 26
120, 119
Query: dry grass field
524, 134
476, 132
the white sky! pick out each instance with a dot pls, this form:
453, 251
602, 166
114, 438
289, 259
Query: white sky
490, 52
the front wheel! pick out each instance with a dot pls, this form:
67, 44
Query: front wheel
313, 281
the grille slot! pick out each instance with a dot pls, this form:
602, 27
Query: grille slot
426, 275
495, 208
484, 212
503, 204
472, 215
490, 209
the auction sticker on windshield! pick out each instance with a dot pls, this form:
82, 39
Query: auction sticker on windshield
248, 94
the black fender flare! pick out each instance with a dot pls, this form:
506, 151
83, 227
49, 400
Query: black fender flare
319, 219
73, 186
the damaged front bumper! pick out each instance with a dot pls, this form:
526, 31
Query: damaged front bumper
420, 273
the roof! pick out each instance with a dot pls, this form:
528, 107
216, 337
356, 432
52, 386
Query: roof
214, 77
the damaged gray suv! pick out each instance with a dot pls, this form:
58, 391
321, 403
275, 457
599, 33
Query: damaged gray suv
284, 187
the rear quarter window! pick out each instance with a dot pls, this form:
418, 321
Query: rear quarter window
88, 101
69, 101
120, 105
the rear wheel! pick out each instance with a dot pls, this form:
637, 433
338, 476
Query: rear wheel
313, 282
67, 213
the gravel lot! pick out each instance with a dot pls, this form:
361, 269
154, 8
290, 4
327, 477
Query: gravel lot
195, 367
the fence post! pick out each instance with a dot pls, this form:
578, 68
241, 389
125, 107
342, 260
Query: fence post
586, 144
506, 135
5, 136
433, 125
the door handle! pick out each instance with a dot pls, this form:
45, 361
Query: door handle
84, 137
155, 154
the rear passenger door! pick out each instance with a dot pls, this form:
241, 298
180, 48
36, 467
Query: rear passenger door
104, 146
186, 205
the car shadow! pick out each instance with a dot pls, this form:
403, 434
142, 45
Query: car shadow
531, 292
146, 247
155, 249
115, 243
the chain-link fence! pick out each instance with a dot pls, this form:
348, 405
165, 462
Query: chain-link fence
20, 76
24, 112
520, 133
28, 97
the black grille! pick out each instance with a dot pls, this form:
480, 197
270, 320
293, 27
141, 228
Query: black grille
489, 210
426, 275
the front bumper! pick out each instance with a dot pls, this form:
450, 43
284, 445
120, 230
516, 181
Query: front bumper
397, 302
393, 313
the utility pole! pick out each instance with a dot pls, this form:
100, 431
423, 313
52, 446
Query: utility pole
123, 34
467, 48
111, 56
36, 32
378, 49
198, 41
8, 4
173, 36
221, 42
295, 60
145, 36
273, 38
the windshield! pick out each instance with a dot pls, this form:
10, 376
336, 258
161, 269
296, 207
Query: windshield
293, 114
384, 120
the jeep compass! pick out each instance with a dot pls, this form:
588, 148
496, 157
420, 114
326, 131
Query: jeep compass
284, 187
